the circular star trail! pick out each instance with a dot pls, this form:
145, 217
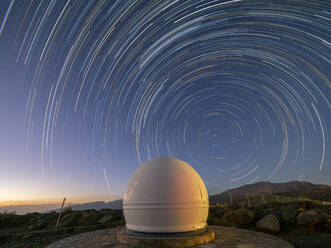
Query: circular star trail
238, 89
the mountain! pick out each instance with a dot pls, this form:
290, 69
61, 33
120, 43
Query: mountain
97, 205
266, 188
237, 193
314, 191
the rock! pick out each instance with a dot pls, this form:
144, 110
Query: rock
289, 215
308, 218
238, 217
269, 223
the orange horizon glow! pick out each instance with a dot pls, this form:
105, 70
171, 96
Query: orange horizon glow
71, 200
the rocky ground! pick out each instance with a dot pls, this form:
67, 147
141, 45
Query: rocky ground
302, 223
37, 230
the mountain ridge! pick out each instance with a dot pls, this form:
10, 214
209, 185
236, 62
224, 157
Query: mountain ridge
236, 193
266, 188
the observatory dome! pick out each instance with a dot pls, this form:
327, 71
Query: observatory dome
165, 195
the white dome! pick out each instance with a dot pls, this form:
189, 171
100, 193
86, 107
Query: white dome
165, 195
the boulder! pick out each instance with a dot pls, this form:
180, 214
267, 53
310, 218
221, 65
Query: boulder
238, 217
289, 215
308, 218
269, 223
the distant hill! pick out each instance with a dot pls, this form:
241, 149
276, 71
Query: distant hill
315, 194
266, 188
294, 188
97, 205
237, 193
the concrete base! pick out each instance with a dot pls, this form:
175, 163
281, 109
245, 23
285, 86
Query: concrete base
168, 241
225, 237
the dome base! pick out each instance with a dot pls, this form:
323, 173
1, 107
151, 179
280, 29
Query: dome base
162, 235
166, 229
187, 239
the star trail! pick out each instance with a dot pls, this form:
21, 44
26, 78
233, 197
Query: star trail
238, 89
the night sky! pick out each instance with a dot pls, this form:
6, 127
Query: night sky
240, 90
